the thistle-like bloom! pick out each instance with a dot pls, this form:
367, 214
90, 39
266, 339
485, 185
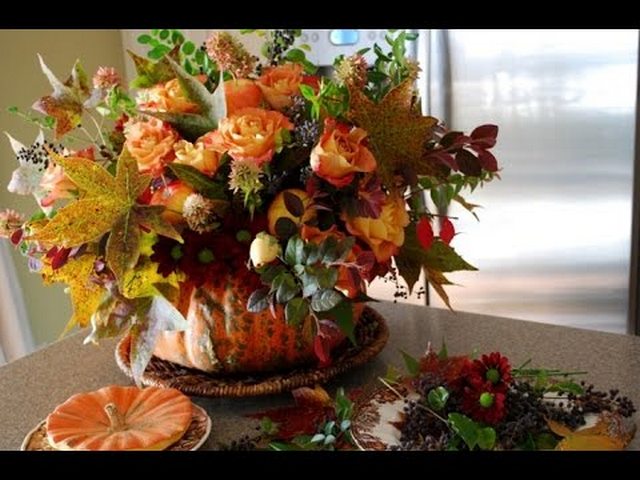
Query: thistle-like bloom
10, 221
202, 214
352, 71
230, 54
245, 177
106, 77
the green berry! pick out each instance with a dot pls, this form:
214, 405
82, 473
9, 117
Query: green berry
486, 399
205, 256
493, 375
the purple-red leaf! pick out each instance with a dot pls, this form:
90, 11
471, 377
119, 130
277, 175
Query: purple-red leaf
468, 163
485, 136
488, 161
444, 158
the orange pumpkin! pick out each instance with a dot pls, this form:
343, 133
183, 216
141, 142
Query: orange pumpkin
222, 336
120, 418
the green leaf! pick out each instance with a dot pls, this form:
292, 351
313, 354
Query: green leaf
144, 39
545, 441
411, 363
123, 245
324, 300
317, 438
294, 253
312, 252
258, 300
566, 387
443, 354
269, 272
287, 288
437, 398
198, 181
343, 405
486, 438
191, 126
327, 277
296, 311
188, 48
342, 315
329, 250
156, 53
308, 92
150, 73
295, 55
309, 283
282, 447
164, 34
344, 248
466, 428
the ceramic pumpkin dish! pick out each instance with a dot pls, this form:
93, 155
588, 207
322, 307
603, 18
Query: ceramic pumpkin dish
222, 336
120, 418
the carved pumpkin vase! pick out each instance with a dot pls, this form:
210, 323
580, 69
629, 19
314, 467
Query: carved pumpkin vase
223, 337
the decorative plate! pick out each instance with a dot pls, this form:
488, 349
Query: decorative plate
371, 334
197, 433
378, 413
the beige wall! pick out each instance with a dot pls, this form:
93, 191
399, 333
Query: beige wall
21, 83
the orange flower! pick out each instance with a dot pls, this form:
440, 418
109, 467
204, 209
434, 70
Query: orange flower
151, 144
385, 234
251, 134
280, 84
241, 93
347, 283
278, 209
340, 154
199, 156
167, 97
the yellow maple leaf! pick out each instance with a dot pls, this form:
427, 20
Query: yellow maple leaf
397, 131
107, 204
142, 280
85, 294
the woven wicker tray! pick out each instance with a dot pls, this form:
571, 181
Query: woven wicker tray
371, 335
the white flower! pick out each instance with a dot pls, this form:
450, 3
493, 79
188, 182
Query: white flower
264, 249
33, 162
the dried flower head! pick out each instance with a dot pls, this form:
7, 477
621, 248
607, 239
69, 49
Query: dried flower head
352, 71
10, 221
106, 77
230, 54
203, 214
245, 177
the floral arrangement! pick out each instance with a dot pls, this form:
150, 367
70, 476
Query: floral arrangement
453, 403
224, 164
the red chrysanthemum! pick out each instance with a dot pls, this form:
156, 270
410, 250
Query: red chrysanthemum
210, 257
484, 404
493, 368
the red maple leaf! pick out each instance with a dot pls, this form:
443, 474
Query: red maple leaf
424, 231
447, 231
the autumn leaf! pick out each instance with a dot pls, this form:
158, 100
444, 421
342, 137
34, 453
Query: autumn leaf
65, 104
397, 133
437, 279
86, 296
150, 73
439, 258
447, 231
107, 204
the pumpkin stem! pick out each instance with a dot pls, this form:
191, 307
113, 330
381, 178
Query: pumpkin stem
115, 417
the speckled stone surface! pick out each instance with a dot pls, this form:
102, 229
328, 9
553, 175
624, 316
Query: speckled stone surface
30, 388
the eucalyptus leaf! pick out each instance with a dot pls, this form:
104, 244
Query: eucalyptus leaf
324, 300
411, 363
466, 428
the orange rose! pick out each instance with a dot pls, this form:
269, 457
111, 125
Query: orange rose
346, 283
151, 144
241, 93
385, 234
198, 156
340, 154
278, 209
172, 197
280, 84
251, 134
166, 97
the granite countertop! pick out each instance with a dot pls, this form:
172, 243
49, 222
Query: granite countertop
31, 387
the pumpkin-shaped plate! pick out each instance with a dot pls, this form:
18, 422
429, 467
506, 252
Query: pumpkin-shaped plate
199, 428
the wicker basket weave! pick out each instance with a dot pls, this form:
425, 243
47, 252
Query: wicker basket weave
371, 334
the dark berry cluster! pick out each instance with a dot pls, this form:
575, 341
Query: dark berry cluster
278, 44
245, 443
